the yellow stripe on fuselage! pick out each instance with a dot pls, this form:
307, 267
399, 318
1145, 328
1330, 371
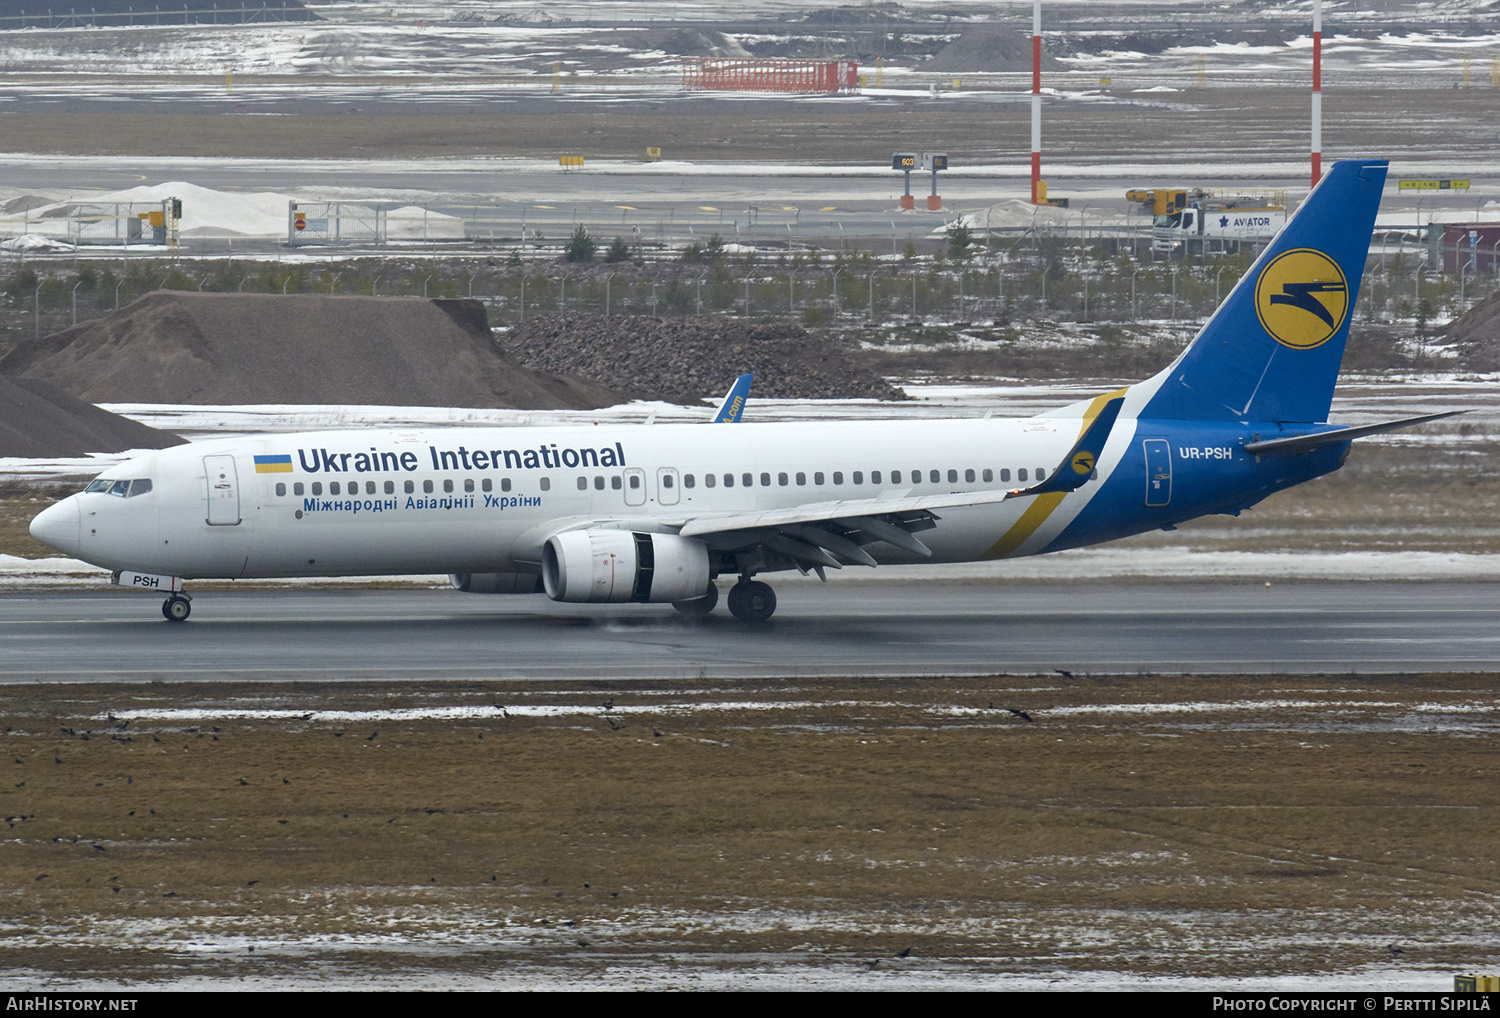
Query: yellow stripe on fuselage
1044, 505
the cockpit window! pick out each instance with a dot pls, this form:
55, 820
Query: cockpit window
120, 489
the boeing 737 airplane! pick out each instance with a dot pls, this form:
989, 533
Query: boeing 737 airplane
658, 513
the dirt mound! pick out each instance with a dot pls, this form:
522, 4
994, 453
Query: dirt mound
686, 359
989, 49
39, 420
1476, 334
224, 348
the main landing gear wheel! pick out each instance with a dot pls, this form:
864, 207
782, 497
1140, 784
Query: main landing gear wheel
699, 607
176, 608
752, 601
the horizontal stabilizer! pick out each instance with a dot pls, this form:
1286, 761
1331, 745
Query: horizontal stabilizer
1298, 444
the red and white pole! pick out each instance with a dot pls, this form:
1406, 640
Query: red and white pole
1036, 97
1317, 93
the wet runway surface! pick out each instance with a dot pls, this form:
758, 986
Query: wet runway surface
846, 629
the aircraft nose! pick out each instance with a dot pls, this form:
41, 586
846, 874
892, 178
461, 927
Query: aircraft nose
57, 526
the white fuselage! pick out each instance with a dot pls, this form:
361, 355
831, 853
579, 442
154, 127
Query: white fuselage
486, 499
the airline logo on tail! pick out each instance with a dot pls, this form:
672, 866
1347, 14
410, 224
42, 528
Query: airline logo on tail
1302, 298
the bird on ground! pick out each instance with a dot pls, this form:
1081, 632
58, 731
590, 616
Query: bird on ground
371, 736
904, 954
1396, 952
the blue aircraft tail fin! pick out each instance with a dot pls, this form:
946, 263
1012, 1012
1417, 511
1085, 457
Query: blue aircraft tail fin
1271, 352
733, 406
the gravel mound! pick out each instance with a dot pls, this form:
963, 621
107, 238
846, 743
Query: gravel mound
228, 348
684, 360
1476, 334
40, 421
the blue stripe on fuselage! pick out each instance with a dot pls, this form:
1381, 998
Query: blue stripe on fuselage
1211, 473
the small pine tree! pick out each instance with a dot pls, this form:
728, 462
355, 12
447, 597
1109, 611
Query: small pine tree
580, 247
960, 241
715, 248
618, 251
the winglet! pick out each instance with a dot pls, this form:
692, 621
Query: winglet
733, 406
1078, 466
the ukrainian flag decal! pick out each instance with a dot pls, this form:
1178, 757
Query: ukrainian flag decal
273, 464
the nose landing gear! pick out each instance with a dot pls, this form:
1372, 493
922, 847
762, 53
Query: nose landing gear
177, 608
752, 601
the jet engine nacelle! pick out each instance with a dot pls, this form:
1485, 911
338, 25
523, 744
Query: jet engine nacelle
619, 565
496, 583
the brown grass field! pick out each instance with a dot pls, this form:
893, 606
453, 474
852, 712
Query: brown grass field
1158, 826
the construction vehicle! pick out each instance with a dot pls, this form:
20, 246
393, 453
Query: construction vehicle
1203, 221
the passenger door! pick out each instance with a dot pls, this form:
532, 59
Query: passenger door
1158, 471
223, 491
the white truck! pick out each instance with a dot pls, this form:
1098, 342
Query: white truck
1201, 221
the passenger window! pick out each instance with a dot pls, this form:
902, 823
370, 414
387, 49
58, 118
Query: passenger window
838, 477
818, 477
635, 481
709, 480
369, 487
748, 480
1021, 474
801, 477
504, 484
390, 487
468, 484
280, 489
1005, 473
317, 487
782, 479
1041, 474
666, 480
874, 476
448, 485
614, 482
411, 486
989, 475
895, 477
953, 477
599, 483
486, 485
545, 484
333, 487
687, 480
583, 484
765, 480
969, 476
859, 477
729, 480
934, 476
